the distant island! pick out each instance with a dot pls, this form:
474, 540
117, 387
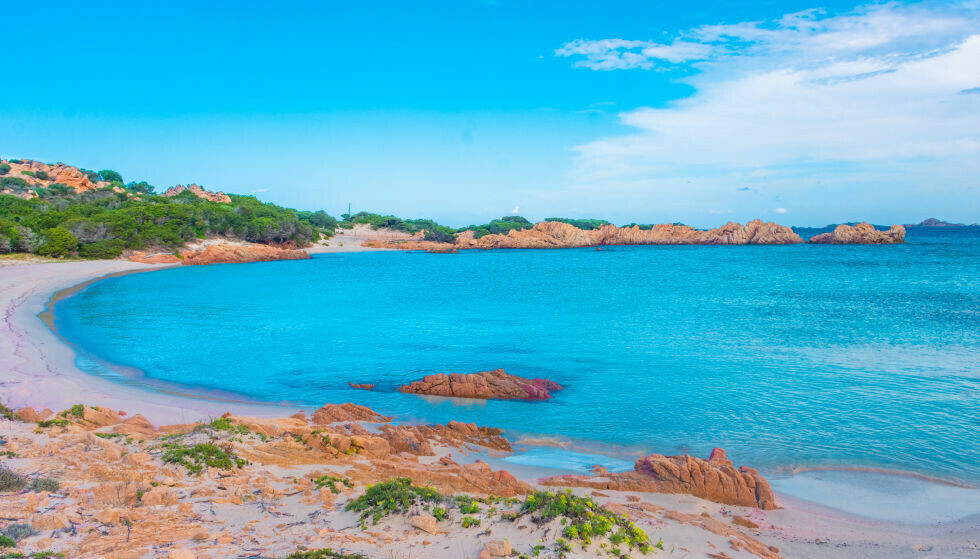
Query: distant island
933, 222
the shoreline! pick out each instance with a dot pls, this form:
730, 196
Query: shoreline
42, 373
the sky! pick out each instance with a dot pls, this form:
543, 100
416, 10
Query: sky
801, 112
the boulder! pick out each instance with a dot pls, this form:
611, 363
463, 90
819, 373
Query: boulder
336, 413
240, 254
424, 522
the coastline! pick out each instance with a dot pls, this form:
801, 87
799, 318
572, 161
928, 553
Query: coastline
41, 372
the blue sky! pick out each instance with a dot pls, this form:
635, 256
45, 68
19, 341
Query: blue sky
800, 112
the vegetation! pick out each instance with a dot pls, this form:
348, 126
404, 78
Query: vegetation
102, 223
331, 482
6, 541
40, 484
325, 553
585, 519
11, 481
7, 413
111, 176
584, 224
4, 168
19, 531
56, 422
389, 497
433, 231
499, 226
196, 458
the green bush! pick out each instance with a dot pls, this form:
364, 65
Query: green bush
8, 413
6, 541
4, 168
19, 531
17, 161
44, 484
585, 519
27, 173
331, 482
196, 458
41, 175
390, 497
11, 481
584, 224
499, 226
59, 243
323, 554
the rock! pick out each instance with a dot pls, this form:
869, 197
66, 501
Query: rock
272, 427
553, 234
487, 385
159, 496
240, 254
159, 258
371, 446
94, 418
28, 415
336, 413
715, 479
181, 554
424, 522
742, 521
199, 192
863, 234
50, 521
361, 386
136, 426
496, 548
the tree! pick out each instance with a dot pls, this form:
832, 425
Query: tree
59, 243
111, 176
4, 168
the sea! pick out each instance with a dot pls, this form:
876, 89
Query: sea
808, 362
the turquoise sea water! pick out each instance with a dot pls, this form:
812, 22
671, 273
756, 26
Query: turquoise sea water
786, 356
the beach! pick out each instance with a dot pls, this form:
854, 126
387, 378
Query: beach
40, 372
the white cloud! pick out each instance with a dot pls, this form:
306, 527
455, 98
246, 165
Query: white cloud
260, 190
849, 99
780, 210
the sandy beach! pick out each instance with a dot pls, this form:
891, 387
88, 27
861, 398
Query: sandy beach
39, 371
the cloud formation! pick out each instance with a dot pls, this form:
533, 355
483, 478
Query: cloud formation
881, 93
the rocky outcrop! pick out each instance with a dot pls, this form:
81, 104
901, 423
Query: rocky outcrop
57, 173
159, 258
487, 385
361, 386
339, 413
861, 234
239, 254
555, 234
714, 479
199, 192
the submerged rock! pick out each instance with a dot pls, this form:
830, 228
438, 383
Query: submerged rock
861, 234
486, 385
715, 479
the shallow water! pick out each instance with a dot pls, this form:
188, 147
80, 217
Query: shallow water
786, 356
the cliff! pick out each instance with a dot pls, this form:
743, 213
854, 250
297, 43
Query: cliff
41, 175
862, 234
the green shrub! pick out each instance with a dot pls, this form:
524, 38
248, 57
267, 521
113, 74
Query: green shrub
331, 482
4, 168
6, 541
440, 513
40, 484
27, 173
17, 161
41, 175
389, 497
59, 244
323, 554
469, 521
13, 181
57, 422
19, 531
11, 481
196, 458
585, 519
78, 410
8, 413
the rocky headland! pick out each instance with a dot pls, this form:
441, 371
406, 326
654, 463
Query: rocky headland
486, 385
861, 234
556, 234
199, 192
